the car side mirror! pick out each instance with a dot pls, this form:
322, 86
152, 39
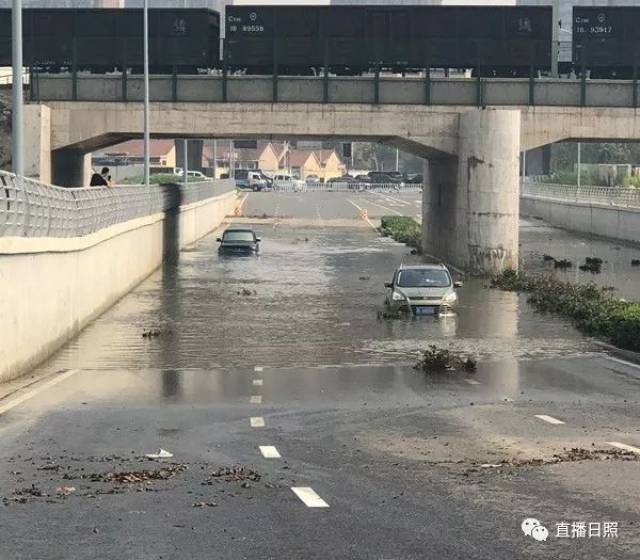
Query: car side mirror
388, 284
219, 239
457, 284
258, 239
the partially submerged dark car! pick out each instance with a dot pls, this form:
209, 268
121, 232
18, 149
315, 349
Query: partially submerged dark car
239, 241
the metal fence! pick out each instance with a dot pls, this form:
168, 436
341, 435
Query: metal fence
607, 196
345, 187
29, 208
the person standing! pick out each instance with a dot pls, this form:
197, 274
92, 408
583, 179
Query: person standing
101, 179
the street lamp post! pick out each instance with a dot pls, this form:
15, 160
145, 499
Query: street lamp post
16, 89
145, 17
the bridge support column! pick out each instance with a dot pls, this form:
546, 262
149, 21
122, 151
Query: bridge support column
471, 204
37, 142
71, 168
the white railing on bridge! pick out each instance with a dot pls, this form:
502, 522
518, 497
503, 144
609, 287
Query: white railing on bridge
29, 208
346, 187
584, 194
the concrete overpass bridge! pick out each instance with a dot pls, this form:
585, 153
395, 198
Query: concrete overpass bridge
470, 201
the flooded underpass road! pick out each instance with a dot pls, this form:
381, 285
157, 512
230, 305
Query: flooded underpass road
300, 430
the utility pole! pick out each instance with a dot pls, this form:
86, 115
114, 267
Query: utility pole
16, 89
185, 167
215, 158
579, 163
555, 32
146, 142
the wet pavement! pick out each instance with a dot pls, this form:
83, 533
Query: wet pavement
286, 350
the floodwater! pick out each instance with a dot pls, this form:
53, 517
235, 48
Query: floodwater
311, 298
539, 239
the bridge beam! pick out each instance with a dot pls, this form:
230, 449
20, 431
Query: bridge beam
471, 202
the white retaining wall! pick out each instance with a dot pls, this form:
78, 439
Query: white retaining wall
609, 221
51, 288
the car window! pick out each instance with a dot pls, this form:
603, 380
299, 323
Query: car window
237, 235
423, 278
241, 174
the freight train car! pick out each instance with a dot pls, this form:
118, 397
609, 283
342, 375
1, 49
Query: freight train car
505, 41
102, 40
606, 41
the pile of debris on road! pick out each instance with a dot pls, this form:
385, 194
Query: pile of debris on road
132, 477
438, 360
572, 455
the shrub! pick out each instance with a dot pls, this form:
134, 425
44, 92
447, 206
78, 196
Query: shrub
591, 308
403, 229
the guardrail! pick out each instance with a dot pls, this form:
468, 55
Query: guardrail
584, 194
347, 187
29, 208
410, 90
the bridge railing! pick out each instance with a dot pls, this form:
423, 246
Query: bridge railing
584, 194
29, 208
347, 187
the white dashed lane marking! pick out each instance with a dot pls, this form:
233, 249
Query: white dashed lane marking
19, 399
257, 382
624, 446
549, 419
256, 422
258, 368
472, 382
256, 399
309, 497
269, 452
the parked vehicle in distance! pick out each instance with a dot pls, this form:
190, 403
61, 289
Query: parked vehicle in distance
312, 180
266, 179
247, 179
196, 175
284, 182
363, 179
415, 179
343, 179
383, 177
425, 289
239, 241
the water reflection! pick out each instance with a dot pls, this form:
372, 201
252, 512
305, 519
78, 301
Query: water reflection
311, 298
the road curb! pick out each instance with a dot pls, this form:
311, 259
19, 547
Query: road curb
619, 352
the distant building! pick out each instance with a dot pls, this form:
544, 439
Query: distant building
162, 153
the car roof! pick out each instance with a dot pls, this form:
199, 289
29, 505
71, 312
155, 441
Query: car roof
432, 266
238, 228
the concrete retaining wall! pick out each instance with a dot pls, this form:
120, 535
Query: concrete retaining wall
604, 221
52, 288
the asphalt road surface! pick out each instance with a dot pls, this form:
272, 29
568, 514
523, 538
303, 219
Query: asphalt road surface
325, 207
298, 426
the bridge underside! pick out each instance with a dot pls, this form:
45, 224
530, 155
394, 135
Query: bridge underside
470, 210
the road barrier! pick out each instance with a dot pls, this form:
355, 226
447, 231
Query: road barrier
29, 208
603, 196
347, 187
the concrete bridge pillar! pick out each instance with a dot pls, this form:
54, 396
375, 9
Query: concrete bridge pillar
471, 203
71, 168
67, 167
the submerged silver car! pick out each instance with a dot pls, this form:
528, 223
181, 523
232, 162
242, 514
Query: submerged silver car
425, 289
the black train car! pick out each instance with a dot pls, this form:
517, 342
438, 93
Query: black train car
103, 39
606, 40
354, 39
